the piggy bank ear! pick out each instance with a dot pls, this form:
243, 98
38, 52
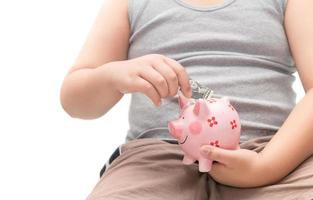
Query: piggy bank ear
182, 101
201, 109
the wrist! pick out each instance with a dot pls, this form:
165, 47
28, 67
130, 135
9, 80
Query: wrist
268, 173
107, 75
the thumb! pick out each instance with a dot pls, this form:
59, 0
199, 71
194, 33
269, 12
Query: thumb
223, 156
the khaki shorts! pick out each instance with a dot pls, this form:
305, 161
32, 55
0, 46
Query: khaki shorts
152, 169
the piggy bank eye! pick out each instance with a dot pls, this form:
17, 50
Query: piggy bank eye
183, 117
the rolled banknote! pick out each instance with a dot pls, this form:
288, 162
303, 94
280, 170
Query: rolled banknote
199, 91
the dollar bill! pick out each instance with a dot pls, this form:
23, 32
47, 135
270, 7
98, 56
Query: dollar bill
199, 91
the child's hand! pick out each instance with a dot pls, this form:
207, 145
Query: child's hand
238, 168
154, 75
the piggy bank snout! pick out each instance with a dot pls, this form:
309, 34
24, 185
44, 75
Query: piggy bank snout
175, 129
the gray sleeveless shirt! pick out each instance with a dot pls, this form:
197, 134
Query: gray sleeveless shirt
237, 48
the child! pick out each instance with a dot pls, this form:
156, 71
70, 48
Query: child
240, 49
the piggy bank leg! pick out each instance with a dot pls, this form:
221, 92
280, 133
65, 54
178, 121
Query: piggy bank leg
188, 160
205, 165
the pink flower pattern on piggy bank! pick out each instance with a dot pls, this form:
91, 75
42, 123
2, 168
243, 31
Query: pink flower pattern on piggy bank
213, 121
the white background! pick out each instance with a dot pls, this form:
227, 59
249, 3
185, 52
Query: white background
45, 154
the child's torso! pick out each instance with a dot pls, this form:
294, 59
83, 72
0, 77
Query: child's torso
237, 47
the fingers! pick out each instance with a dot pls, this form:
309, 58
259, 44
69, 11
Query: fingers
156, 79
183, 79
161, 77
149, 90
169, 75
223, 156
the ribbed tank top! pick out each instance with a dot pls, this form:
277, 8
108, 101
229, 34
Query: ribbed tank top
238, 48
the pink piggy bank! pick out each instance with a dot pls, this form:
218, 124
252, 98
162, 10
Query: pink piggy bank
213, 121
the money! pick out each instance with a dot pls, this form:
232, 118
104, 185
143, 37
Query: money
199, 91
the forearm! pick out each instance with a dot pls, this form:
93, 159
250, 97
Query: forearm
86, 93
292, 144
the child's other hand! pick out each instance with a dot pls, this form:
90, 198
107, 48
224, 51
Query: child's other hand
237, 168
155, 75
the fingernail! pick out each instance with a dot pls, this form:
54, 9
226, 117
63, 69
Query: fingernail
205, 150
